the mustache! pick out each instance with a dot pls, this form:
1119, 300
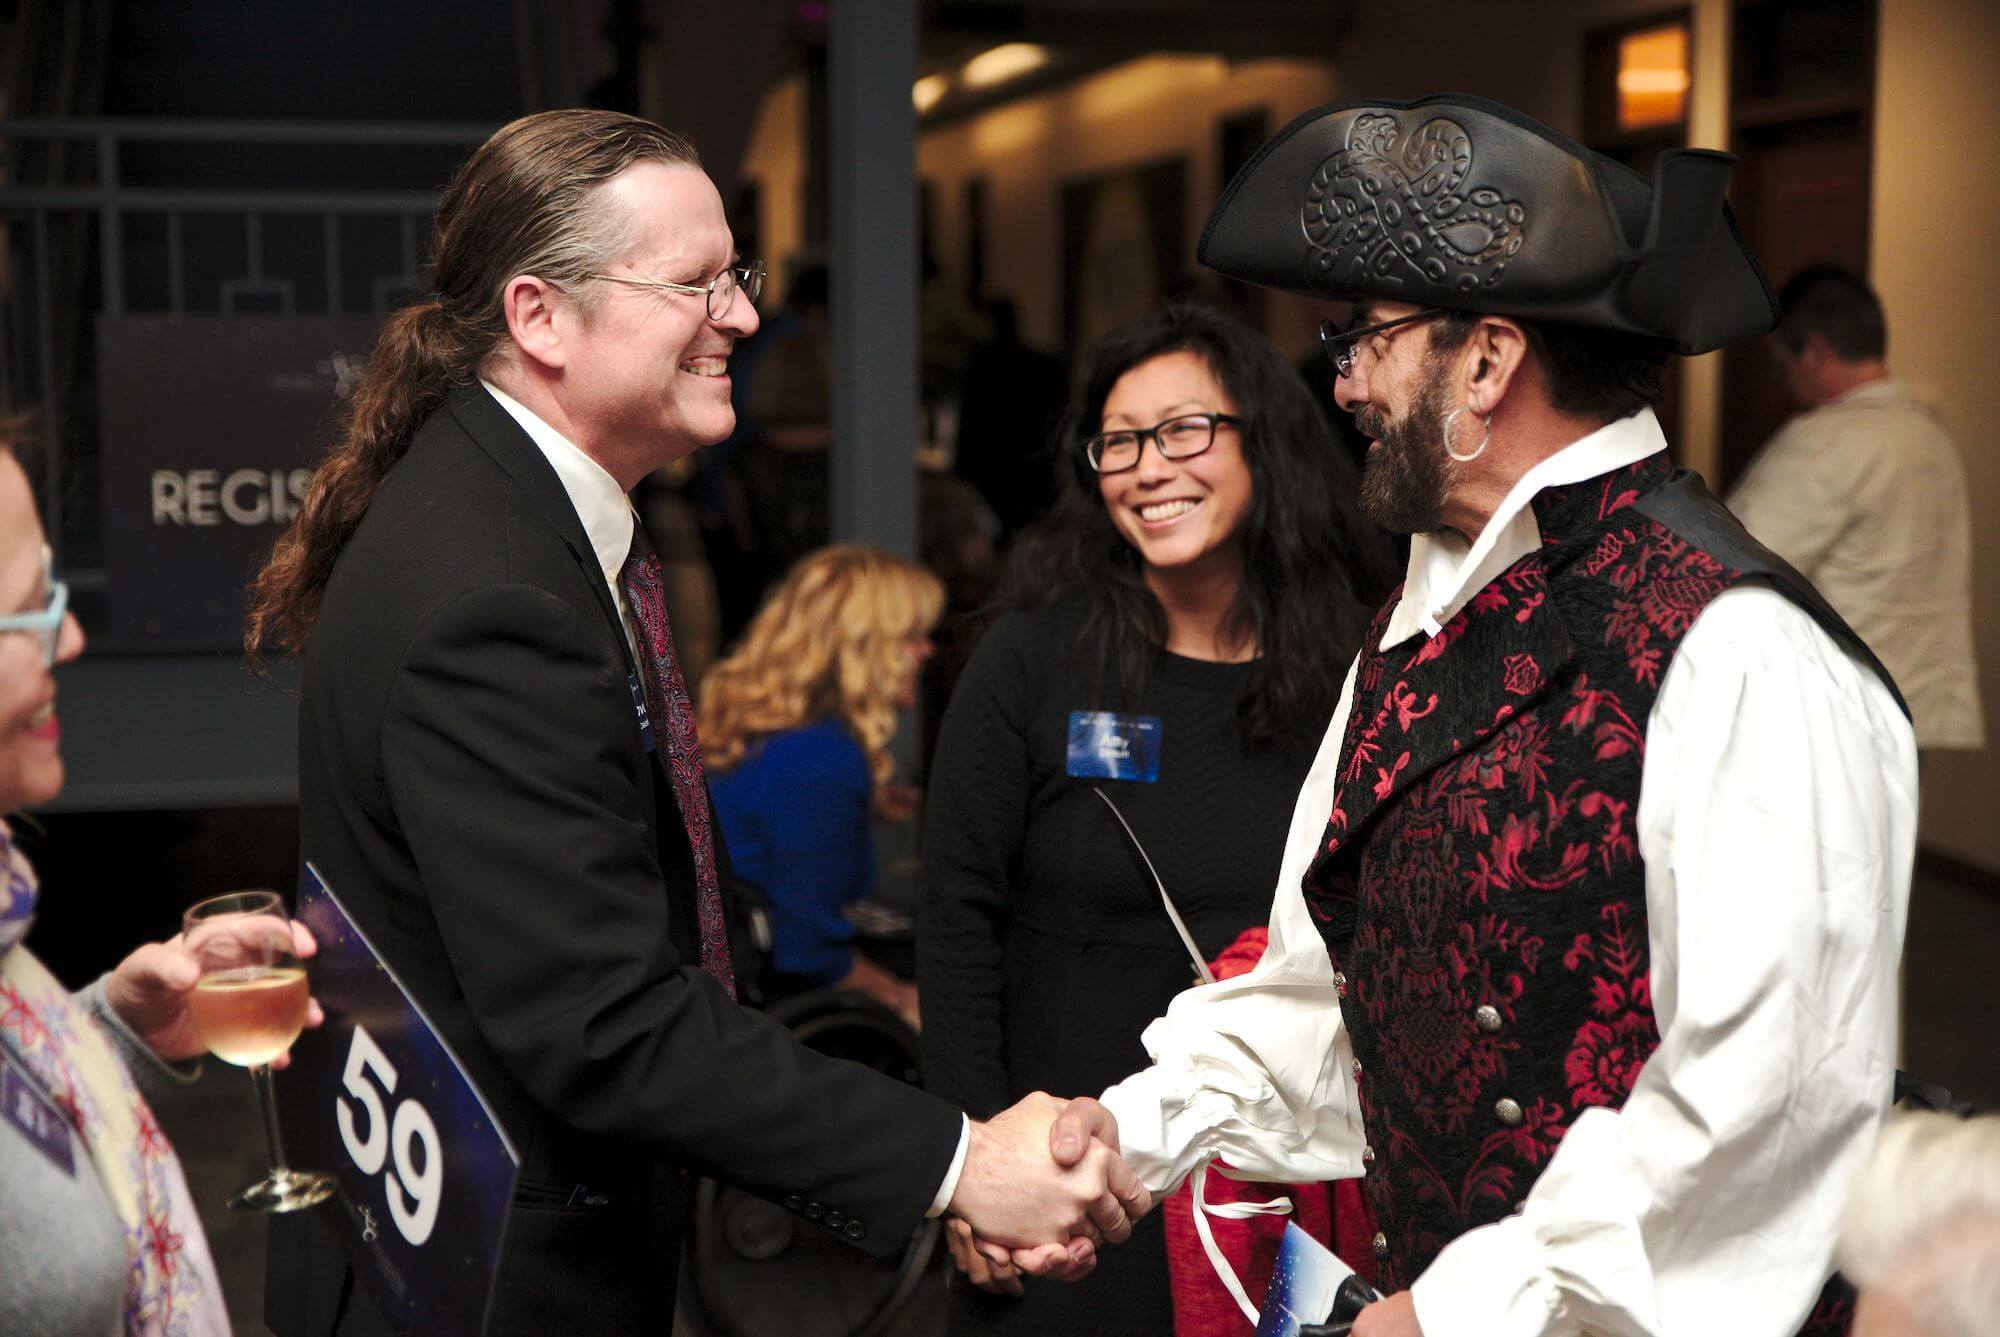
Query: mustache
1373, 423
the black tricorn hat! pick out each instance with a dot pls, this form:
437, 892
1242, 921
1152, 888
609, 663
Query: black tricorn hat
1458, 201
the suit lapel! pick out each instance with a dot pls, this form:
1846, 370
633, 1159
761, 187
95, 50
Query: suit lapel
501, 437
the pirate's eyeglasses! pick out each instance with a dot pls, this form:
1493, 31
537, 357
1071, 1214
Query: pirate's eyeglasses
1342, 346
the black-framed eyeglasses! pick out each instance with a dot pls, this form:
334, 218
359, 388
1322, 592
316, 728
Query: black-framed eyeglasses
1177, 439
45, 623
720, 291
1339, 345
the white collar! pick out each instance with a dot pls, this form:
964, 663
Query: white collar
1884, 389
1445, 571
602, 506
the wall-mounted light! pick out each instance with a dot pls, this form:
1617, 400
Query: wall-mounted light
926, 92
1653, 77
1003, 63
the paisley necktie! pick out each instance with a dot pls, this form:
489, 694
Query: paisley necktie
673, 725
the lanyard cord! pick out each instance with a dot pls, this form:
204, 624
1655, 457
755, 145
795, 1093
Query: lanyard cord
1201, 969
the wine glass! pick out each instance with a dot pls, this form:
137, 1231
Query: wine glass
248, 1007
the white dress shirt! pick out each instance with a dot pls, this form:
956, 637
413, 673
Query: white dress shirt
602, 505
1777, 822
608, 522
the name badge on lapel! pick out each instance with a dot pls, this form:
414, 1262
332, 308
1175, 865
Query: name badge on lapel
639, 708
1108, 746
35, 1115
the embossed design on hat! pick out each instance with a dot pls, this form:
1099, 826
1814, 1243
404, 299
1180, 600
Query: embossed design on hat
1375, 210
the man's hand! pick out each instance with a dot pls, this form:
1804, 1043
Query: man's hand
149, 992
1394, 1317
1013, 1194
1083, 1123
999, 1278
1081, 1120
1081, 1127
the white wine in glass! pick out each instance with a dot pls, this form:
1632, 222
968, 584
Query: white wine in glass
249, 1015
248, 1007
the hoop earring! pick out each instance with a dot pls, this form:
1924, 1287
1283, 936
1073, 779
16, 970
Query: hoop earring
1451, 425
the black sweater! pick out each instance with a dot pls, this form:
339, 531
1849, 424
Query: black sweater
1043, 950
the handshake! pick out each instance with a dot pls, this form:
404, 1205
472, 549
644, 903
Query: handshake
1043, 1185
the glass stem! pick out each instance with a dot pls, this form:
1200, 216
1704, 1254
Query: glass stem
260, 1074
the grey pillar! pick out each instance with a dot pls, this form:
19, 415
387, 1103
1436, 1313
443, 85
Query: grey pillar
872, 58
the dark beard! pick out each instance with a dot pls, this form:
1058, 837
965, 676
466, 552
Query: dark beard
1404, 479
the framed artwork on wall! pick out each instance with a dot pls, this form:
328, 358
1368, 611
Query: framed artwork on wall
1125, 248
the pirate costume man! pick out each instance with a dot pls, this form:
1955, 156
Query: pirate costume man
1584, 946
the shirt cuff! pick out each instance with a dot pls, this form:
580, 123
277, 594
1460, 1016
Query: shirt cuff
153, 1072
1489, 1282
950, 1184
1157, 1146
1170, 1121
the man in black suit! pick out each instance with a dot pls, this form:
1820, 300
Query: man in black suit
498, 771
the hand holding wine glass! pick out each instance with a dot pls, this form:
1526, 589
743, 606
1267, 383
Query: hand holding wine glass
149, 991
248, 1005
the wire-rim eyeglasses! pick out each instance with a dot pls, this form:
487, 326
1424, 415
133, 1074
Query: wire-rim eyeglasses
1339, 345
720, 291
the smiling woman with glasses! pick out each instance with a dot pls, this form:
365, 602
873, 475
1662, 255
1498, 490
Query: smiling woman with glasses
1176, 635
85, 1166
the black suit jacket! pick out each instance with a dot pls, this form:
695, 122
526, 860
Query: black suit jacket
472, 782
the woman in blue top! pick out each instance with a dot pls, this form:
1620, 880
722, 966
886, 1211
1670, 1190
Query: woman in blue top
795, 727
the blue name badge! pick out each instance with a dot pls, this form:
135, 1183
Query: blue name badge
639, 705
1107, 746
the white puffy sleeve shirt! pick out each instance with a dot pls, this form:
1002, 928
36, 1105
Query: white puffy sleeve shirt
1777, 821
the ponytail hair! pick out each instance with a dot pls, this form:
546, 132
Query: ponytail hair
415, 364
526, 202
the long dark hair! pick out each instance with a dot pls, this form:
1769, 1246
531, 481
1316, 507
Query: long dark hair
525, 202
1313, 567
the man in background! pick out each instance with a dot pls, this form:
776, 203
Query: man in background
1009, 396
782, 477
1865, 493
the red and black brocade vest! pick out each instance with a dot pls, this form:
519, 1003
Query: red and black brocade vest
1481, 891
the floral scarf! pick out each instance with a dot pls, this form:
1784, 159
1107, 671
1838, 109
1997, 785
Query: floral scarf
172, 1289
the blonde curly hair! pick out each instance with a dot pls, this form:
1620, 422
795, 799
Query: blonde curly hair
832, 639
